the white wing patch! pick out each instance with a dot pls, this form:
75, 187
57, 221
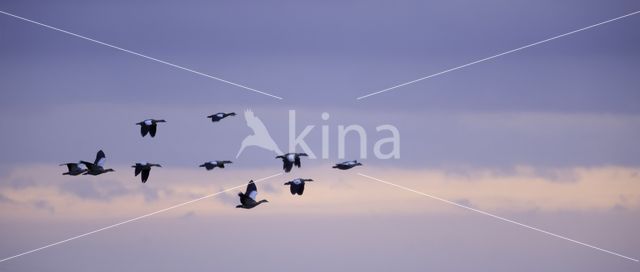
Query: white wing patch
253, 194
147, 122
297, 181
101, 161
291, 157
219, 115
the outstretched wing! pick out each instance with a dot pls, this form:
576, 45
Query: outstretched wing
144, 129
152, 130
71, 166
252, 190
138, 170
297, 161
100, 158
145, 175
287, 165
88, 164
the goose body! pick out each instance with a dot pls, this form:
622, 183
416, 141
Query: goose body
220, 115
213, 164
290, 159
296, 186
149, 126
74, 169
347, 165
248, 198
145, 169
97, 167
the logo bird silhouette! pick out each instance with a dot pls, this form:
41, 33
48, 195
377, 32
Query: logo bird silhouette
260, 137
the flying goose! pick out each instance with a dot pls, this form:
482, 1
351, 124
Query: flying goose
347, 165
149, 126
74, 169
290, 159
248, 199
97, 167
213, 164
145, 169
296, 186
220, 115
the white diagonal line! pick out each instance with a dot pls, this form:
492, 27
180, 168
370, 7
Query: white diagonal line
497, 217
134, 219
141, 55
498, 55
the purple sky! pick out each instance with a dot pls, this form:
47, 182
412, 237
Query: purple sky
565, 111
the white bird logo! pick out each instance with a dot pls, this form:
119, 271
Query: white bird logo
260, 137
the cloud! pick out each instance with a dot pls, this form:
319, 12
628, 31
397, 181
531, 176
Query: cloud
464, 202
18, 183
44, 205
228, 198
4, 199
93, 190
520, 189
5, 170
150, 194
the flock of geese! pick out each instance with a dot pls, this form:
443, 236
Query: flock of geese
247, 199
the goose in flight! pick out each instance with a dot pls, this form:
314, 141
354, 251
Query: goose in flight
220, 115
296, 186
97, 167
290, 159
347, 165
149, 126
213, 164
74, 169
260, 137
248, 199
145, 169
